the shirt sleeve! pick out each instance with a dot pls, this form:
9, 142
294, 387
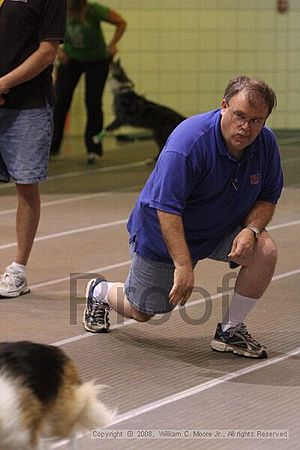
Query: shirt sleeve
172, 184
102, 11
53, 21
273, 179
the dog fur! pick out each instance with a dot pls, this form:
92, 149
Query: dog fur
135, 110
41, 395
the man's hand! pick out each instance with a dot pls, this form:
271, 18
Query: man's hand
183, 285
183, 279
243, 245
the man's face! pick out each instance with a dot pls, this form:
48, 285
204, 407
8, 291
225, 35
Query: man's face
242, 120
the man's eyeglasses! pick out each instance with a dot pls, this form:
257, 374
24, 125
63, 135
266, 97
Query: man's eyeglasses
240, 120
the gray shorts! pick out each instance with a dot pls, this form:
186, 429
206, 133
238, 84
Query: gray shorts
149, 282
25, 139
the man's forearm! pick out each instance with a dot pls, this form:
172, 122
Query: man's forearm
31, 67
174, 237
260, 215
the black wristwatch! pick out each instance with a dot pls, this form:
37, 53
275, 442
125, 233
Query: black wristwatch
255, 230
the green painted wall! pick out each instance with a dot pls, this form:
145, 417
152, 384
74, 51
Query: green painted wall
183, 52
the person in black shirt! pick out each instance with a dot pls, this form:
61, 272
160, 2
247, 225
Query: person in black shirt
30, 33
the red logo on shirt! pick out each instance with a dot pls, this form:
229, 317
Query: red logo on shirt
255, 179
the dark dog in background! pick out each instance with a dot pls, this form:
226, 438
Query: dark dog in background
41, 395
135, 110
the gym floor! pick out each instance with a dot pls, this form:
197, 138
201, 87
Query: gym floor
162, 375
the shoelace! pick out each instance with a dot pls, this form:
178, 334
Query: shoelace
10, 279
98, 312
241, 328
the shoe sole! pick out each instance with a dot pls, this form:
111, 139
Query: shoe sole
222, 347
14, 295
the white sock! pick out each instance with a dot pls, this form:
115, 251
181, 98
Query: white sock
101, 291
18, 267
239, 308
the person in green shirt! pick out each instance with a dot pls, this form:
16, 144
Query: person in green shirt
85, 52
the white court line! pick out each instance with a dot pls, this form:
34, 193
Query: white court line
61, 201
81, 173
79, 198
98, 270
181, 395
124, 263
280, 276
109, 224
75, 199
283, 225
193, 391
69, 232
114, 168
203, 387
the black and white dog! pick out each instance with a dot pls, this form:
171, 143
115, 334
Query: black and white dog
41, 395
135, 110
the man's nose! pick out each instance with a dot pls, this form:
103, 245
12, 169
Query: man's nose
246, 125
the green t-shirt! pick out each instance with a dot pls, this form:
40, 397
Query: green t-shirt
84, 40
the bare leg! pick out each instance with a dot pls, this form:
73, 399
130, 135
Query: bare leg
255, 275
118, 302
252, 281
27, 219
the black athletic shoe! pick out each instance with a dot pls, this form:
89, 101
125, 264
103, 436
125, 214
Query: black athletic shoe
237, 340
96, 313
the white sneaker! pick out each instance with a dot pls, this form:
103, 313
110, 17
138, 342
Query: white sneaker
93, 158
13, 283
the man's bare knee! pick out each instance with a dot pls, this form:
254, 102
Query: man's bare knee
269, 250
140, 317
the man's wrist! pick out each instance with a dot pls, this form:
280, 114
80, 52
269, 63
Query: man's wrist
255, 230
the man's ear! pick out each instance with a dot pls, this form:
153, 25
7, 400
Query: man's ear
224, 105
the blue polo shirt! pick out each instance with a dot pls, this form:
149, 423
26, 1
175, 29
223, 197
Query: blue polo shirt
196, 178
